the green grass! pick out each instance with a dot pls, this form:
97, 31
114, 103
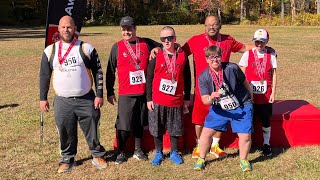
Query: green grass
22, 157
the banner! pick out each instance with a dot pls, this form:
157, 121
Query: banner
59, 8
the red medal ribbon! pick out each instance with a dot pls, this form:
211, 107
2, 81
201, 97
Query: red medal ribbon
61, 59
171, 65
136, 56
260, 67
217, 79
217, 42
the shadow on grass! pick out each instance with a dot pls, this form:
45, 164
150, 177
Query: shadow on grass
276, 151
109, 156
9, 106
231, 155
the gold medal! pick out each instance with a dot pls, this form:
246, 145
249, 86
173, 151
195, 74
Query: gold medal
262, 80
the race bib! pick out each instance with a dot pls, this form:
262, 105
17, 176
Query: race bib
259, 87
71, 61
168, 87
229, 103
137, 77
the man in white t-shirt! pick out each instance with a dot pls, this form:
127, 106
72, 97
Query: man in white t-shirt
74, 65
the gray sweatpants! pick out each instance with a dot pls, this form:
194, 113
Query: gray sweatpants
69, 111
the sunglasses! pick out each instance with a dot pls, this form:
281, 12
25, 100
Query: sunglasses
211, 58
169, 38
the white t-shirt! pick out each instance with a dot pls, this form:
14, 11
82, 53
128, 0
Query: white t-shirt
244, 59
71, 78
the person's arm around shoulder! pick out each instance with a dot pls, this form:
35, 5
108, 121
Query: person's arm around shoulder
45, 76
153, 47
110, 74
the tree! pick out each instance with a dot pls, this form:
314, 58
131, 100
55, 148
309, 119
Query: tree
293, 10
247, 9
241, 10
282, 12
209, 7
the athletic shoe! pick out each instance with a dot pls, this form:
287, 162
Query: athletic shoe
196, 152
138, 154
175, 157
216, 151
245, 165
266, 150
158, 158
121, 158
64, 167
99, 162
199, 165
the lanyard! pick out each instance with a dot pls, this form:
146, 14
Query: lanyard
217, 42
217, 79
260, 67
171, 65
136, 56
61, 59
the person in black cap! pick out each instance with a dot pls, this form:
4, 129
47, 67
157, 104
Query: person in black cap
130, 56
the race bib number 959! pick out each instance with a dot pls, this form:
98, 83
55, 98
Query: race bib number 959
168, 87
137, 77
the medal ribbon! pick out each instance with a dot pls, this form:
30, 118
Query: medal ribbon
136, 56
217, 42
171, 65
260, 67
217, 82
61, 59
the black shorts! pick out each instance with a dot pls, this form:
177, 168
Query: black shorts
263, 112
163, 117
132, 113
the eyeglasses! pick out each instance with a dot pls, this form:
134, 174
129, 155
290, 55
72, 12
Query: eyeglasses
211, 58
208, 26
169, 38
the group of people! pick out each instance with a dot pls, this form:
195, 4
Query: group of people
154, 82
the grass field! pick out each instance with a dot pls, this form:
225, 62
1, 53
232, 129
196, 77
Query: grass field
22, 157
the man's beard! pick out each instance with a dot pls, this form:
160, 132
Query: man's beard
67, 40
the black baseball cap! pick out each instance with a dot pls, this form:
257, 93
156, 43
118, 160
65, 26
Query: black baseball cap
127, 21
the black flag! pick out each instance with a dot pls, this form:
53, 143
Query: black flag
59, 8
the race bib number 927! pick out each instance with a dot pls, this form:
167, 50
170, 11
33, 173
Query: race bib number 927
168, 87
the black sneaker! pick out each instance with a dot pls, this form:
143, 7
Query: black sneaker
121, 158
266, 150
139, 154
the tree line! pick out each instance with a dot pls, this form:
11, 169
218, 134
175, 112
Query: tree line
109, 12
